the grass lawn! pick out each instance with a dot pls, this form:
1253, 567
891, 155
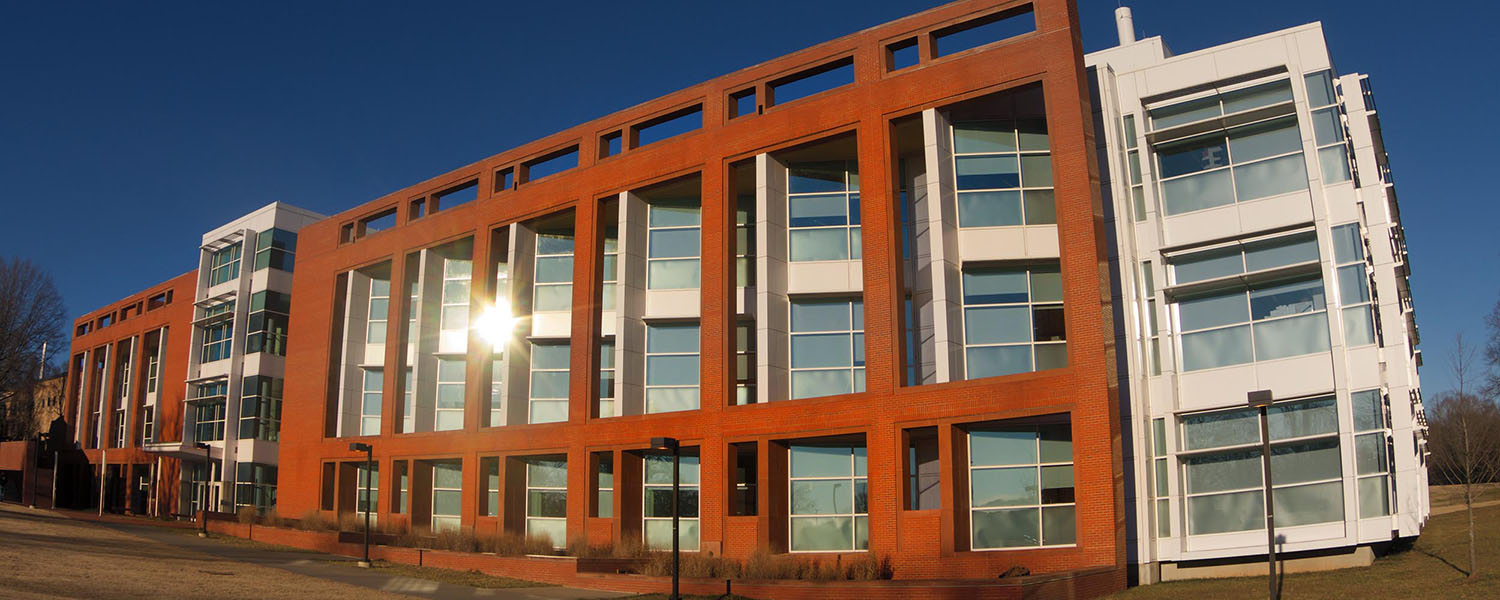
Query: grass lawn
449, 576
1434, 568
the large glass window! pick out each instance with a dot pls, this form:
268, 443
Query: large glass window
367, 496
607, 378
260, 408
148, 425
275, 249
672, 231
657, 501
823, 211
1221, 467
225, 265
217, 323
1328, 127
1354, 286
208, 418
552, 288
1265, 94
255, 486
449, 413
1013, 320
1372, 453
604, 500
671, 367
379, 311
1237, 324
370, 401
549, 382
447, 495
268, 323
1003, 171
547, 499
611, 267
1021, 486
829, 498
1238, 165
827, 347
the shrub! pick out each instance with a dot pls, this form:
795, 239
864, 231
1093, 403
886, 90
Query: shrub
765, 565
313, 520
693, 564
246, 515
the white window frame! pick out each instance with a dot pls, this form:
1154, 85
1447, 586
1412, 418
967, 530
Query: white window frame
1041, 505
852, 222
854, 479
1031, 304
1022, 185
371, 337
532, 370
224, 266
649, 354
529, 488
438, 410
683, 487
371, 387
446, 522
856, 366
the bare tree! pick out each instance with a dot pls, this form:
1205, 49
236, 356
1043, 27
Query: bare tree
31, 314
1464, 437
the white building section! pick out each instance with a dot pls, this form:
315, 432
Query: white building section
1258, 247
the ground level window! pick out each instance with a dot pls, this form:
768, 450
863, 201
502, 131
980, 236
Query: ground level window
657, 502
829, 508
447, 495
1021, 484
547, 499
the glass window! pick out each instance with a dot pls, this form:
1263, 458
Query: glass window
267, 323
274, 249
255, 486
378, 311
672, 261
1240, 164
1021, 486
449, 413
549, 381
547, 499
1000, 182
224, 265
611, 267
604, 501
607, 378
218, 332
1372, 453
1355, 294
367, 495
1265, 94
823, 211
447, 495
1246, 257
656, 508
553, 280
827, 347
1013, 320
369, 411
828, 503
671, 367
1223, 479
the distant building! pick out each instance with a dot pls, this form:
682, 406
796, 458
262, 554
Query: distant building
197, 359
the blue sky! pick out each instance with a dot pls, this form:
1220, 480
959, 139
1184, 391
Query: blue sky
129, 129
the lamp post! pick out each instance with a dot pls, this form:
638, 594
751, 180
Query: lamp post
1261, 399
369, 464
207, 472
666, 443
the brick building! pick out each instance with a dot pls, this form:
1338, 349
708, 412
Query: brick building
873, 289
746, 265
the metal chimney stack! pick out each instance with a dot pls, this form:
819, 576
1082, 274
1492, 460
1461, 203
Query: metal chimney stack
1125, 25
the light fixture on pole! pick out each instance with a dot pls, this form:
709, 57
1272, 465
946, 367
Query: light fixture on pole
207, 472
666, 443
369, 468
1261, 399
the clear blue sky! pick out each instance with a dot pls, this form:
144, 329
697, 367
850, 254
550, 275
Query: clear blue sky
127, 129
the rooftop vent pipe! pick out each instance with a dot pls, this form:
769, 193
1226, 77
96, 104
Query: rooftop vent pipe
1125, 25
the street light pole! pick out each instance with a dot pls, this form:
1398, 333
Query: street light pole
666, 443
207, 473
369, 464
1261, 399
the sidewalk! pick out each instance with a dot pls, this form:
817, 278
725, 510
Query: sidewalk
176, 542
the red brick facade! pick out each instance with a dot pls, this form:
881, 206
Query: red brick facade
168, 304
920, 544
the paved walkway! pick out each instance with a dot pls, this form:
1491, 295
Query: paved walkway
175, 543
